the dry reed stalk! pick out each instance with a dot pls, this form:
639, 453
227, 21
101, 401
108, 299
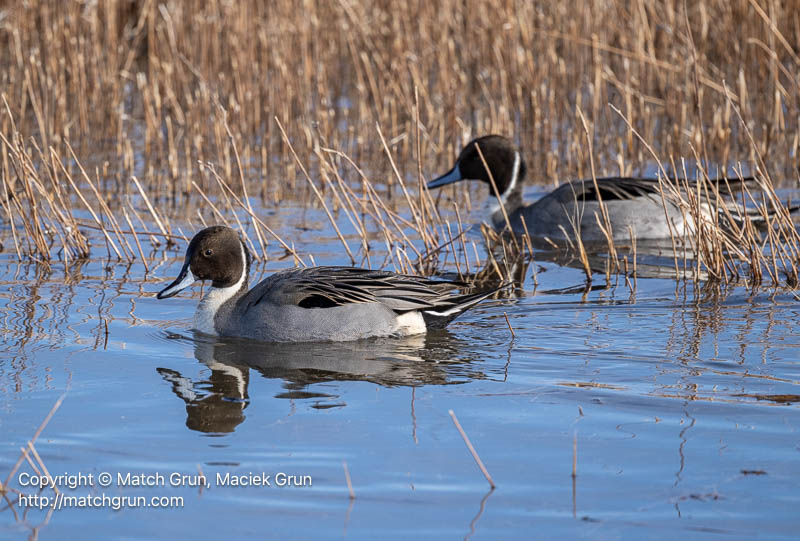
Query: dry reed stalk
461, 238
245, 197
153, 212
428, 255
583, 256
506, 258
211, 204
6, 202
428, 239
396, 220
142, 258
527, 238
104, 208
42, 466
472, 450
34, 438
343, 197
316, 191
574, 455
257, 222
634, 256
455, 259
510, 328
144, 98
605, 226
25, 451
89, 208
229, 194
349, 483
380, 208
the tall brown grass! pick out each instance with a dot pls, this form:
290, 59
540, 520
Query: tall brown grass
215, 106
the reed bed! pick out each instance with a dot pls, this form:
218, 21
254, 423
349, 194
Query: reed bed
127, 124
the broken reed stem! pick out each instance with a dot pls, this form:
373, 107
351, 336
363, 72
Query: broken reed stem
103, 206
423, 203
246, 198
605, 227
210, 204
529, 244
149, 205
97, 220
136, 239
35, 437
434, 251
349, 483
379, 207
314, 188
474, 453
634, 257
42, 466
343, 197
256, 220
575, 455
133, 231
660, 186
415, 213
510, 328
583, 257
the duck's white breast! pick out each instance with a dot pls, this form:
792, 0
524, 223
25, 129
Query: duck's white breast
216, 297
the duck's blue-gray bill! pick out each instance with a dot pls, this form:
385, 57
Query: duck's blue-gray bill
184, 280
454, 175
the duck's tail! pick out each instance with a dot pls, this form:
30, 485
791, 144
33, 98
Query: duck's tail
446, 309
755, 214
732, 189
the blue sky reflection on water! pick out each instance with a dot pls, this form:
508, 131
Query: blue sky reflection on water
682, 406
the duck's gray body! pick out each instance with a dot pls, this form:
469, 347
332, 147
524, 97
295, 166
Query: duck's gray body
270, 312
312, 304
573, 208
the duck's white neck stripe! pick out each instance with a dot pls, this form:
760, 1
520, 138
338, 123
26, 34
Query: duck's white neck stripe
511, 186
216, 297
514, 176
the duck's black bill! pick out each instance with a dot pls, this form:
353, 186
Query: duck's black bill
184, 280
454, 175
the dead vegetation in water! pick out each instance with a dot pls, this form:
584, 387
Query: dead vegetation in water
128, 124
36, 501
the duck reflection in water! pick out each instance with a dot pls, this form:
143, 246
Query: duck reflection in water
216, 405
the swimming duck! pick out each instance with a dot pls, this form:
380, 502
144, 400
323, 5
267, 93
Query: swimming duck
310, 304
630, 202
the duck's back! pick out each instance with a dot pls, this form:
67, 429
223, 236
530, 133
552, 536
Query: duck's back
630, 203
274, 311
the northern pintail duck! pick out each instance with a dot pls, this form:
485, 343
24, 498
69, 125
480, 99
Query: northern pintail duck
634, 203
311, 304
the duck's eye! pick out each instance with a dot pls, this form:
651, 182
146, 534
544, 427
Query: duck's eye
208, 252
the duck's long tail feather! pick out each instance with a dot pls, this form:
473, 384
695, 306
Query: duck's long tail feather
448, 308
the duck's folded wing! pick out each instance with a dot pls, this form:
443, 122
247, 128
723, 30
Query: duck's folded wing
327, 287
610, 188
629, 188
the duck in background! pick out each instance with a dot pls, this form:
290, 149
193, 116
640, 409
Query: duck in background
632, 204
